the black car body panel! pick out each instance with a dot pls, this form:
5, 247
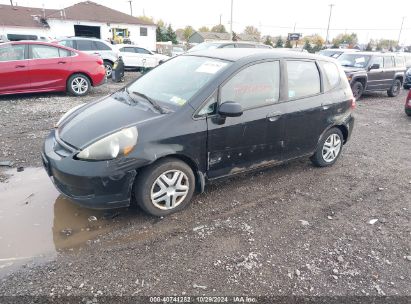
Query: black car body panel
213, 146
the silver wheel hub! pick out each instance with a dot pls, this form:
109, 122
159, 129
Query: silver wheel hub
331, 148
169, 190
109, 70
79, 85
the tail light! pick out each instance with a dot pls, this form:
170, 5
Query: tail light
353, 103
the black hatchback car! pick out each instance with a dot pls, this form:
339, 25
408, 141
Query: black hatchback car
196, 118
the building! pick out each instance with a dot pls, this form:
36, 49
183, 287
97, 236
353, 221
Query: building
86, 19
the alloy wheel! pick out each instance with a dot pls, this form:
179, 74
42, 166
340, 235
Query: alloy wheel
331, 148
109, 70
169, 190
79, 85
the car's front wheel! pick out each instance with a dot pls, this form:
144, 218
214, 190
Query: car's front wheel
329, 148
78, 85
395, 88
109, 68
164, 187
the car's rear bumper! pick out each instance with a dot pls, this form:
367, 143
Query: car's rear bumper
97, 185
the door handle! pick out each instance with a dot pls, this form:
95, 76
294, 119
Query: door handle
20, 66
62, 62
274, 116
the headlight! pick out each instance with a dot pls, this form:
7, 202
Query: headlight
118, 144
68, 114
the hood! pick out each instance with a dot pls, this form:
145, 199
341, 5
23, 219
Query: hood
349, 70
104, 117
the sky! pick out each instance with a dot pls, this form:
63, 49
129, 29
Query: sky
370, 19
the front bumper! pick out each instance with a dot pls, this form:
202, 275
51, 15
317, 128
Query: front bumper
91, 184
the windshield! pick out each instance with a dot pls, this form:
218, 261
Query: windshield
174, 82
331, 53
204, 46
354, 60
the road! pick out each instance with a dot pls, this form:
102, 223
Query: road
289, 230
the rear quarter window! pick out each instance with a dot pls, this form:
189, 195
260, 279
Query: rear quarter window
101, 46
303, 79
331, 75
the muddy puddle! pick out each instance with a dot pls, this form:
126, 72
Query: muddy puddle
37, 222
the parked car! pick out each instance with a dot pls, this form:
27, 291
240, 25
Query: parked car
176, 50
197, 118
369, 71
226, 45
28, 67
107, 51
138, 57
335, 53
408, 104
407, 81
19, 37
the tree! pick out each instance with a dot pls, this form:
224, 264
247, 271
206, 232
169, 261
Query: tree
369, 47
161, 31
307, 46
171, 35
252, 31
146, 19
219, 28
350, 39
204, 29
268, 41
188, 31
315, 40
279, 43
288, 44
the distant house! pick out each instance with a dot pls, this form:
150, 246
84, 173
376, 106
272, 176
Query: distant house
200, 37
87, 19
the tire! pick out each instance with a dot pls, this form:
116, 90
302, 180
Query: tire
78, 85
395, 88
147, 187
357, 89
109, 68
407, 87
328, 140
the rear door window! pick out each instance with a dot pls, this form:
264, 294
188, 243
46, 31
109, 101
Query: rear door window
331, 75
12, 52
101, 46
303, 79
44, 51
142, 51
388, 62
254, 86
127, 50
85, 45
399, 61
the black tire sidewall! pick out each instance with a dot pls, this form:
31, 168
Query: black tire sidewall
358, 83
391, 92
317, 158
146, 178
70, 80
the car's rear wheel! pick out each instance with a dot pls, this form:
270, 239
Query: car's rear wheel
78, 85
329, 148
357, 89
395, 88
109, 68
164, 187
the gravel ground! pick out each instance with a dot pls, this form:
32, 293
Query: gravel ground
290, 230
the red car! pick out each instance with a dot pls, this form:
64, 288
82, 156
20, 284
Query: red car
408, 104
31, 66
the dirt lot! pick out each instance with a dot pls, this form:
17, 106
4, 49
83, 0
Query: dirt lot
289, 230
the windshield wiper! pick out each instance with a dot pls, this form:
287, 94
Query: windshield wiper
152, 101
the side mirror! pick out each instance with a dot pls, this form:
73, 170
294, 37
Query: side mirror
230, 109
375, 66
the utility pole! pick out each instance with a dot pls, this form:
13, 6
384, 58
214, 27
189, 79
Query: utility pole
11, 3
131, 7
329, 21
231, 21
220, 18
399, 35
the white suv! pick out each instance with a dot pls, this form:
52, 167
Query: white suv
138, 57
107, 51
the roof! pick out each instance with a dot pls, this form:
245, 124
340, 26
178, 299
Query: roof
22, 16
91, 11
240, 53
214, 35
